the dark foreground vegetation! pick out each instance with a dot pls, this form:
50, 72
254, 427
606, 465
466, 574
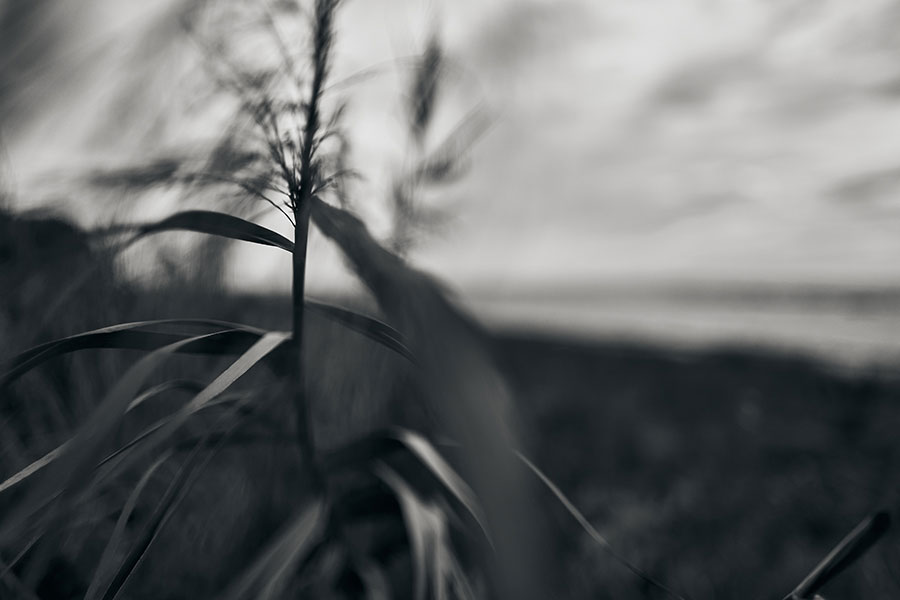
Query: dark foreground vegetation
723, 473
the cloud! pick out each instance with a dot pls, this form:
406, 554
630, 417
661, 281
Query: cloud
28, 42
522, 32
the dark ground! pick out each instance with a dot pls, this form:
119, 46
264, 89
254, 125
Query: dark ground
726, 474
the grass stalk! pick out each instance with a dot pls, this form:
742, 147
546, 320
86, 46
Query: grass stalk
301, 195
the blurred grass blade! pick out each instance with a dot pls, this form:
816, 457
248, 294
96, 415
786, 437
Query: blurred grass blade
593, 533
435, 566
176, 492
33, 467
175, 384
275, 565
382, 443
441, 469
373, 328
217, 223
55, 453
854, 545
133, 336
73, 466
105, 568
419, 527
119, 455
263, 347
255, 354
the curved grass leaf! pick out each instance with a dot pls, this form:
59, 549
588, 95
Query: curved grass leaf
176, 492
255, 354
106, 570
217, 223
34, 467
420, 526
435, 566
383, 443
263, 347
151, 430
854, 545
276, 564
235, 338
372, 328
175, 384
70, 471
45, 460
593, 533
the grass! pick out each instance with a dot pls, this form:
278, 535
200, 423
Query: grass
92, 462
208, 446
724, 473
629, 433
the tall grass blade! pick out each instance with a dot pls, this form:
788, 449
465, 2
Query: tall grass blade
441, 469
33, 468
467, 391
71, 469
217, 223
382, 443
374, 329
176, 492
253, 356
418, 527
854, 545
106, 570
45, 460
593, 533
234, 338
149, 431
435, 567
175, 384
275, 565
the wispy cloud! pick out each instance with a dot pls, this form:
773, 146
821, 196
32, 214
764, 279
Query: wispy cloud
633, 139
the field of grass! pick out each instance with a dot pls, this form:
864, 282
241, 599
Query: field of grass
723, 473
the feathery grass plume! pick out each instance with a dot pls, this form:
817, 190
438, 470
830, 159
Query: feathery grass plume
428, 167
421, 104
424, 90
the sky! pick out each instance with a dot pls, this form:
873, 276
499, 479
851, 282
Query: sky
631, 141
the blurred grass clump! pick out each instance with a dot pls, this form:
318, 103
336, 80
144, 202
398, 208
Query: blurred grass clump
214, 458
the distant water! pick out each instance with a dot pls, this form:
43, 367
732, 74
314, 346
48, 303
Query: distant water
851, 327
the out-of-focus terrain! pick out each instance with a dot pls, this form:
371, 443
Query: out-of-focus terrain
726, 472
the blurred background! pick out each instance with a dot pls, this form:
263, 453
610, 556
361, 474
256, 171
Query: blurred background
681, 218
697, 171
